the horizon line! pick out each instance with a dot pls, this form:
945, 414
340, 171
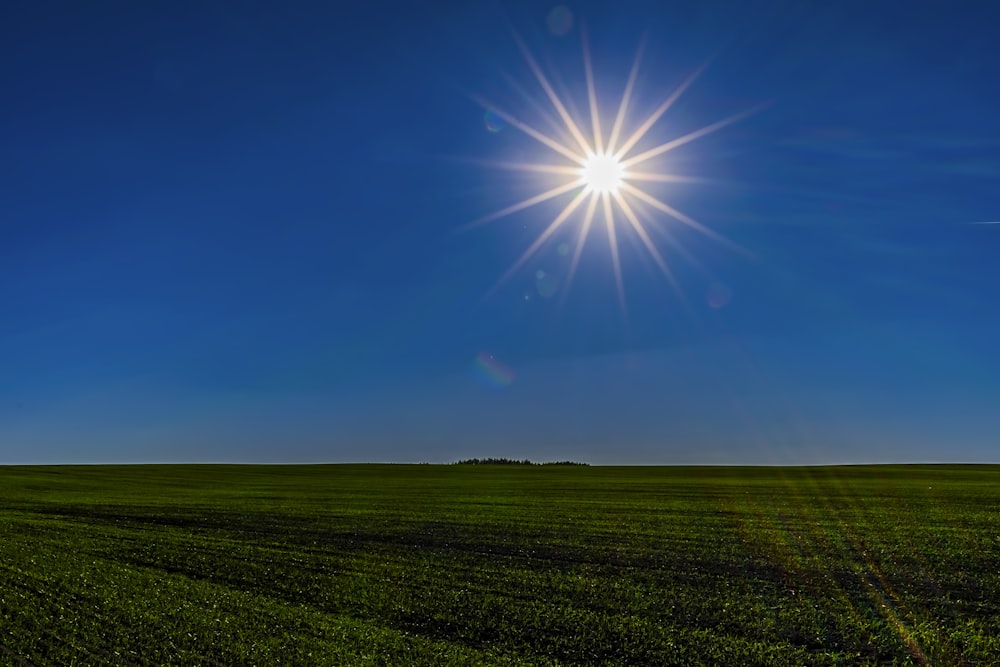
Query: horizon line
514, 464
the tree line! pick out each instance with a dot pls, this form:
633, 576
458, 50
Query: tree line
516, 462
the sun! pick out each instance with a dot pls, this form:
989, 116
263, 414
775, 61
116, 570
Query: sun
602, 173
607, 177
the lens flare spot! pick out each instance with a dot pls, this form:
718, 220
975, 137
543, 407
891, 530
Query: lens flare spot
560, 20
495, 374
545, 285
493, 122
719, 295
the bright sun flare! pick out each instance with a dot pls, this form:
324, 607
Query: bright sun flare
603, 171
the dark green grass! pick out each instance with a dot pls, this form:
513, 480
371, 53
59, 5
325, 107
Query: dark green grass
338, 565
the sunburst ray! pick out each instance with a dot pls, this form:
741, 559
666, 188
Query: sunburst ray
588, 220
536, 167
627, 95
621, 151
687, 138
526, 203
677, 215
556, 102
646, 241
595, 116
615, 256
652, 176
542, 238
532, 132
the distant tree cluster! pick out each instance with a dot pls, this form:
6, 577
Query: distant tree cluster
494, 462
515, 462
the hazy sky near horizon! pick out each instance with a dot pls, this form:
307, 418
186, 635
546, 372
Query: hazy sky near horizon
233, 231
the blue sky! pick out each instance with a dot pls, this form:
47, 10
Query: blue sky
236, 232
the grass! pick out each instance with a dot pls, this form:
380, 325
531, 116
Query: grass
505, 565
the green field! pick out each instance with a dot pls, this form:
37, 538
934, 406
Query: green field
537, 565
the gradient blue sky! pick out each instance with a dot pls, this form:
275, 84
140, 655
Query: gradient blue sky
229, 232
